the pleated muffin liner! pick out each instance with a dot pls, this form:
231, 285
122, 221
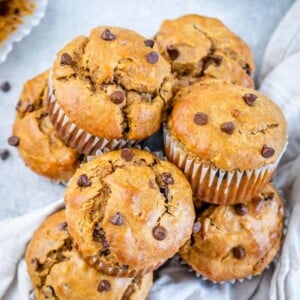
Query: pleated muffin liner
213, 185
115, 271
76, 137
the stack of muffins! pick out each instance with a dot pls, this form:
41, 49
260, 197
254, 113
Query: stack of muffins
128, 211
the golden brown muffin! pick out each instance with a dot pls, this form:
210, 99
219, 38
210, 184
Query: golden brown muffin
111, 89
11, 14
227, 139
58, 272
38, 143
129, 211
204, 48
233, 242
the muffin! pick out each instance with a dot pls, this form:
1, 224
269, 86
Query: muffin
227, 139
204, 48
128, 212
232, 242
57, 271
37, 141
108, 90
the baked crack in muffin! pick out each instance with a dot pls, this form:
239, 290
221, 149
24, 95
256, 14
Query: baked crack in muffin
108, 90
201, 48
128, 211
58, 273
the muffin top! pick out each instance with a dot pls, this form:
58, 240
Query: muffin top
38, 142
112, 84
57, 271
235, 241
129, 209
230, 126
200, 47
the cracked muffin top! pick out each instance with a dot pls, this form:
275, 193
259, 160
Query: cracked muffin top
232, 127
236, 241
113, 84
129, 211
58, 272
38, 143
201, 48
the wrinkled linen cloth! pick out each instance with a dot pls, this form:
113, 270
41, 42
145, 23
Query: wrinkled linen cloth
280, 80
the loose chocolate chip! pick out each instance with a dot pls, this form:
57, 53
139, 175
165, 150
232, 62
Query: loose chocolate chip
152, 57
83, 181
13, 141
167, 178
196, 227
30, 108
103, 286
173, 52
107, 35
4, 154
249, 98
200, 118
217, 59
149, 43
117, 219
267, 151
227, 127
5, 86
66, 60
239, 252
117, 97
127, 154
63, 226
159, 233
241, 209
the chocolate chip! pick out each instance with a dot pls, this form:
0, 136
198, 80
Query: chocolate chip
4, 154
30, 108
17, 11
127, 154
196, 227
43, 114
241, 209
200, 118
159, 233
267, 151
217, 59
103, 286
5, 86
66, 60
152, 57
227, 127
117, 97
13, 141
249, 99
99, 236
107, 35
268, 196
239, 252
117, 219
63, 226
125, 267
173, 52
149, 43
83, 181
164, 190
167, 178
18, 105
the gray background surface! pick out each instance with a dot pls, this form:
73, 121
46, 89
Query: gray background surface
20, 189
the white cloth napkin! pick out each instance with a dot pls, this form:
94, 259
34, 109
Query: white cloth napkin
280, 80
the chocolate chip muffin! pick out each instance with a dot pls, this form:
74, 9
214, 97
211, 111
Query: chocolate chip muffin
227, 139
204, 48
36, 139
58, 272
108, 90
236, 241
129, 211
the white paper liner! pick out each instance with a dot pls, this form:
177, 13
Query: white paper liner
213, 185
24, 28
76, 137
